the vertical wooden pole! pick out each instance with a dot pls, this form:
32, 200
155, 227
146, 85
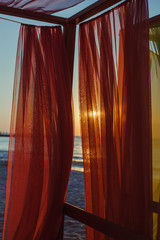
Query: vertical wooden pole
69, 37
61, 230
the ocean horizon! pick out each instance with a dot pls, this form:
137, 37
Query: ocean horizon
77, 159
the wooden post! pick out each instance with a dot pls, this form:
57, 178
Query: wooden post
69, 36
61, 230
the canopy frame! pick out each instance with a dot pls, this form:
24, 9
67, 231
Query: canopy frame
77, 18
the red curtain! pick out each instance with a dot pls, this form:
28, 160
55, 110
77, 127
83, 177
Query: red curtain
48, 7
116, 117
41, 141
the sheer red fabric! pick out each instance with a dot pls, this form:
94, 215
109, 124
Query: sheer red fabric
116, 117
41, 142
44, 6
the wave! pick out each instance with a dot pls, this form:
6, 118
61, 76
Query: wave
77, 159
3, 156
78, 169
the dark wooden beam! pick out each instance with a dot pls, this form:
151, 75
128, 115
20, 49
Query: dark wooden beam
76, 19
92, 10
61, 231
69, 37
32, 15
109, 228
154, 21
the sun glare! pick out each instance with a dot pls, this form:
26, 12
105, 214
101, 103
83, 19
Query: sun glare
93, 113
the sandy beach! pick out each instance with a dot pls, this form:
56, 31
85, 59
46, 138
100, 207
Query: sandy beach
75, 196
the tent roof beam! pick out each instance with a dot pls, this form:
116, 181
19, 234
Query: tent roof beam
75, 19
32, 15
92, 10
154, 21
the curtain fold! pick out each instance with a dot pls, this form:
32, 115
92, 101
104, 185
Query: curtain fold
43, 6
155, 87
115, 110
41, 136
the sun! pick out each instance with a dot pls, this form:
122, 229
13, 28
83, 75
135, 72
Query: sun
93, 113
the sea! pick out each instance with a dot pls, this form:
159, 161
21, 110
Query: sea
77, 161
4, 142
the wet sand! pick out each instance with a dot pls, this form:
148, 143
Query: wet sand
75, 196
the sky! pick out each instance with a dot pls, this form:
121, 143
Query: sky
8, 46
